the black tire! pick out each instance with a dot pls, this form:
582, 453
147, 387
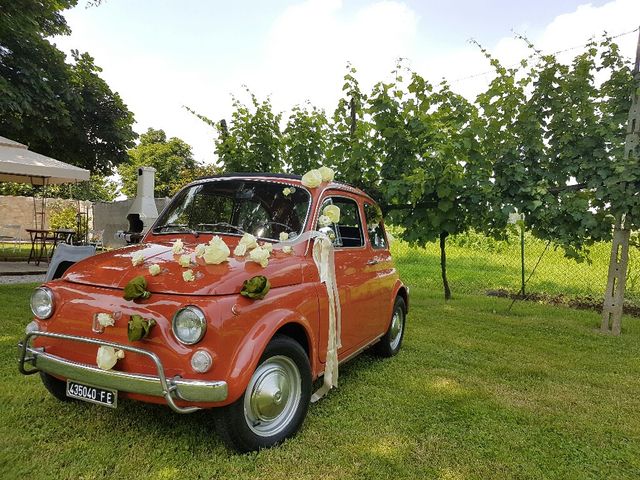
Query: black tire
57, 388
257, 421
389, 345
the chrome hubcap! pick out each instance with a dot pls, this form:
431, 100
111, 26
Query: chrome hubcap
397, 324
273, 396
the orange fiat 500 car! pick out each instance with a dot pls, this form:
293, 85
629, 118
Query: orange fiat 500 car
206, 345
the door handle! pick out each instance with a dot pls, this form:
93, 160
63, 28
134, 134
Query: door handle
372, 262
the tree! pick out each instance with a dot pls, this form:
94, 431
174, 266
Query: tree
305, 139
172, 159
98, 189
62, 110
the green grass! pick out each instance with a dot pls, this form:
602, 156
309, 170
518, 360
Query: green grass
476, 264
475, 393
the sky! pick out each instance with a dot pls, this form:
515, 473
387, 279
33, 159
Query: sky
163, 54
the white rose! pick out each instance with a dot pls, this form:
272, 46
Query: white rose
154, 269
105, 320
200, 249
137, 259
286, 191
327, 174
184, 260
177, 247
107, 357
333, 212
240, 250
284, 236
249, 240
260, 255
287, 249
268, 247
188, 276
324, 221
217, 251
312, 179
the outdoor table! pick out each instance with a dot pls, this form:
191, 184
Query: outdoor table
42, 238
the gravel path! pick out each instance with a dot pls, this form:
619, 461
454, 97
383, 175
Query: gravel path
5, 279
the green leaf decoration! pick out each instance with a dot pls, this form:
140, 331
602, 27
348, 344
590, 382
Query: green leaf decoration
136, 288
256, 287
139, 328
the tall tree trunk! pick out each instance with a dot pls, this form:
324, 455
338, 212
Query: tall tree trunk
443, 265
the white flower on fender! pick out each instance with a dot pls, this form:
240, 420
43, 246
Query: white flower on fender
184, 260
188, 276
105, 320
177, 247
216, 252
324, 221
137, 259
515, 217
268, 246
333, 212
107, 357
312, 178
200, 249
284, 236
247, 242
327, 174
154, 269
287, 249
260, 255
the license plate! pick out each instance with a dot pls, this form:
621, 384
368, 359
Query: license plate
88, 393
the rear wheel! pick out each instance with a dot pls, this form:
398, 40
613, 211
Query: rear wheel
57, 388
275, 402
389, 345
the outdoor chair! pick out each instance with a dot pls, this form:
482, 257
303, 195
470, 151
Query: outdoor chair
11, 234
65, 256
95, 239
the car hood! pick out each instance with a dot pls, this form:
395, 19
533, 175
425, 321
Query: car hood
114, 270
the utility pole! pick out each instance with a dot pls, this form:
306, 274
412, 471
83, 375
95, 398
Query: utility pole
619, 262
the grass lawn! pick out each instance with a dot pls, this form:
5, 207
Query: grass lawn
474, 393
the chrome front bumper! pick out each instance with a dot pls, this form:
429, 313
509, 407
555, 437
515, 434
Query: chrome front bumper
171, 389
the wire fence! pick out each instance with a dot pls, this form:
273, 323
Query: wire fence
481, 265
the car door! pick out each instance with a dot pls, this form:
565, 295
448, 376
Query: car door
356, 282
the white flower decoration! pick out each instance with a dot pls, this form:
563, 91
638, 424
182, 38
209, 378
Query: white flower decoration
177, 247
137, 259
217, 252
184, 260
105, 320
154, 269
312, 178
333, 212
288, 191
188, 276
287, 249
284, 236
200, 249
327, 174
107, 357
247, 242
324, 221
268, 246
260, 255
515, 217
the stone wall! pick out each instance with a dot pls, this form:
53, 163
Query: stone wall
19, 211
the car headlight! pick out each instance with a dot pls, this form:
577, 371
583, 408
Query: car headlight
189, 325
42, 302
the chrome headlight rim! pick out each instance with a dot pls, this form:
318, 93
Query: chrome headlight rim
201, 319
49, 293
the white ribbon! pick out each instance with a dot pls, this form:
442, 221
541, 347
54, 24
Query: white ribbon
323, 256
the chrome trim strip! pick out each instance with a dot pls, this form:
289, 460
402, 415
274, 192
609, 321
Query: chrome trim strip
160, 386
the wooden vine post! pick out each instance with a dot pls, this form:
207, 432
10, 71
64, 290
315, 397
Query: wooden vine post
619, 262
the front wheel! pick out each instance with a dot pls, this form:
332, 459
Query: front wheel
275, 402
390, 343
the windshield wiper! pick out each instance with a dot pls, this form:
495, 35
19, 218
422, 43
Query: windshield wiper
222, 224
178, 225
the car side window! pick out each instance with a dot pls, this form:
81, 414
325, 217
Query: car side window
348, 231
375, 228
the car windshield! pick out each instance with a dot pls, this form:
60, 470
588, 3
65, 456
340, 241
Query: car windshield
264, 209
